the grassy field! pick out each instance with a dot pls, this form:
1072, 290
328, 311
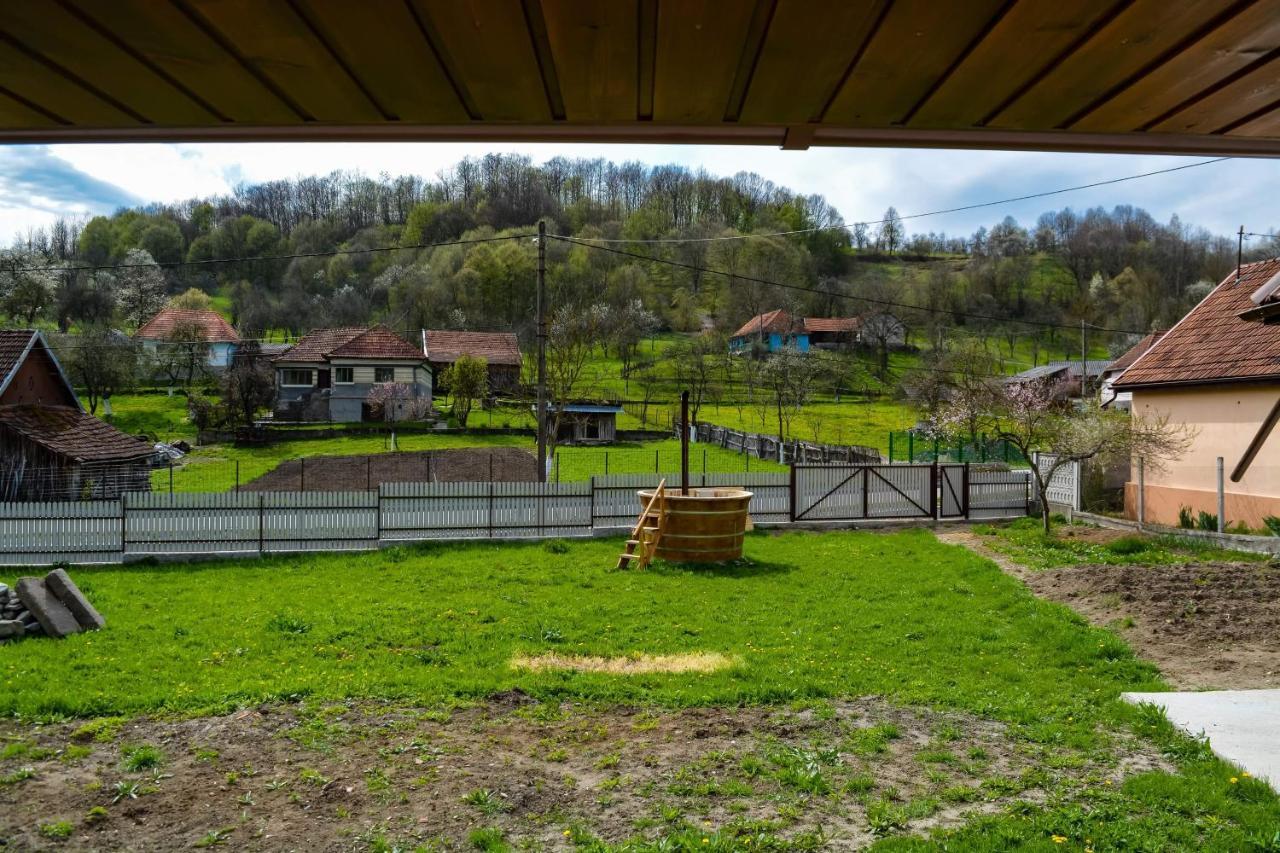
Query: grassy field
807, 619
158, 415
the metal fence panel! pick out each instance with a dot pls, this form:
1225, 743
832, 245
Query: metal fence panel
999, 494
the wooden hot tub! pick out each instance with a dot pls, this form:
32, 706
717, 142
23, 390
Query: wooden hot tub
704, 526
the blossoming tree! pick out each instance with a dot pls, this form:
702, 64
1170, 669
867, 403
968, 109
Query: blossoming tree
1039, 416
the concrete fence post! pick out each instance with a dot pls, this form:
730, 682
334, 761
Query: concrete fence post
1222, 500
1142, 491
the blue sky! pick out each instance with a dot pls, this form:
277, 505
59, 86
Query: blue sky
37, 183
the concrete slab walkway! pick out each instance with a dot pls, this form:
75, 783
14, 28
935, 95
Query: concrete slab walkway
1243, 726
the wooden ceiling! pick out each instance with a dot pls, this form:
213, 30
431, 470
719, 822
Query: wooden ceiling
1176, 76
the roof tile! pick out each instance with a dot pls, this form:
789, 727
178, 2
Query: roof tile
72, 433
214, 326
1212, 344
494, 347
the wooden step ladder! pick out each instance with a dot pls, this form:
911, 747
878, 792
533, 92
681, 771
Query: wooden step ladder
648, 531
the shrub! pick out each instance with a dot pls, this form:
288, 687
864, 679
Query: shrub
1272, 523
1128, 545
1185, 520
1207, 521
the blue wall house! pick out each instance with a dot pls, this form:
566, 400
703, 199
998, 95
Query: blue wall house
171, 323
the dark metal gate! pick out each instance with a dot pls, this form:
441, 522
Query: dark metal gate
953, 488
850, 492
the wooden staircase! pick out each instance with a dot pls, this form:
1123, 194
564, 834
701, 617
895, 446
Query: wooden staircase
648, 531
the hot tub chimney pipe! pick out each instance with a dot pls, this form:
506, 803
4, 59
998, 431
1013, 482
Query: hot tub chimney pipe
684, 442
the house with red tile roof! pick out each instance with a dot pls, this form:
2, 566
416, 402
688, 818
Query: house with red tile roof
777, 329
500, 350
50, 447
1217, 371
210, 327
330, 374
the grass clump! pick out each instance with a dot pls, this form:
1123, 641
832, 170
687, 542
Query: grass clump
145, 757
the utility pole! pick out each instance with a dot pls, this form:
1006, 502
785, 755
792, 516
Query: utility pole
1084, 362
542, 350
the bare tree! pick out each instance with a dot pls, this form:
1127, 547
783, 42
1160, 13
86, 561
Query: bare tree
249, 384
101, 361
184, 354
698, 368
571, 338
788, 378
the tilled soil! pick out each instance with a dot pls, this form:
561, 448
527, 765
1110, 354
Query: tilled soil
1206, 625
366, 472
351, 776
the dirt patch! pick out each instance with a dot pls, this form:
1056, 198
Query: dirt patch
356, 473
339, 777
1207, 626
639, 665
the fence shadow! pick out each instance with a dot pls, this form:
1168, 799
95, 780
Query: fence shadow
738, 570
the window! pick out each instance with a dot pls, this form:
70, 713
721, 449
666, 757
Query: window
344, 375
384, 374
295, 376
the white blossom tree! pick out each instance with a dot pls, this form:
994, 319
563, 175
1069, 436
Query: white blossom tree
140, 287
1032, 416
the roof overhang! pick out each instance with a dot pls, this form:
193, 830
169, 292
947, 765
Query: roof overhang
1167, 76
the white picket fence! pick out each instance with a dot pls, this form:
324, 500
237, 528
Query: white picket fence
188, 524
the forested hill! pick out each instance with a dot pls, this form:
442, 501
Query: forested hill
1119, 268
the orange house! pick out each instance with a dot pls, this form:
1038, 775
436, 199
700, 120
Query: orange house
1218, 371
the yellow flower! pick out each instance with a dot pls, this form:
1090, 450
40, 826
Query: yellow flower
1234, 780
1058, 839
1244, 775
567, 833
706, 841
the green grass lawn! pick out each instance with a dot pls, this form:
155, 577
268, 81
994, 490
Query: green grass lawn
806, 618
158, 415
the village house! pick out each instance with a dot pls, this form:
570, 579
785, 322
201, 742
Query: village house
777, 330
214, 330
500, 350
50, 448
329, 374
1217, 371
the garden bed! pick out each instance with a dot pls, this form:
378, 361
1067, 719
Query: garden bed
368, 471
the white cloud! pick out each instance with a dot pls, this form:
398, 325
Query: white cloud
861, 183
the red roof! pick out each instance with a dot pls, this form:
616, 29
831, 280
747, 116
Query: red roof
316, 345
13, 344
446, 347
377, 342
213, 326
72, 433
1212, 344
1130, 355
776, 320
831, 324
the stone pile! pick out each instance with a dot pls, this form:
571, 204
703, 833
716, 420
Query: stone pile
52, 606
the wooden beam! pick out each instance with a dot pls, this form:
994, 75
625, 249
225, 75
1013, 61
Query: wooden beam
537, 27
978, 38
752, 45
1260, 438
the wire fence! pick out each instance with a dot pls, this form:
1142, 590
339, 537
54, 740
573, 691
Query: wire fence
262, 472
911, 447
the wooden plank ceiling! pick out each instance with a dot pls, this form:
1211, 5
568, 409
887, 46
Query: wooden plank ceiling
1176, 76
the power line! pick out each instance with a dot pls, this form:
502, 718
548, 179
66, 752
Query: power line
325, 254
941, 212
834, 293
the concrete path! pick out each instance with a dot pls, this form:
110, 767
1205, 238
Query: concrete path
1243, 726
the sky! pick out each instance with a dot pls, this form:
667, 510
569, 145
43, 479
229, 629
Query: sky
38, 183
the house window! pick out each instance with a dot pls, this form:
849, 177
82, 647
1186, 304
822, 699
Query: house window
384, 374
295, 376
344, 375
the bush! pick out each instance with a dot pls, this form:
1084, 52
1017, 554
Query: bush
1207, 521
1127, 545
1184, 518
1272, 523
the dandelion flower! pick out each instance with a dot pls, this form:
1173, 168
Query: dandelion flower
1058, 839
